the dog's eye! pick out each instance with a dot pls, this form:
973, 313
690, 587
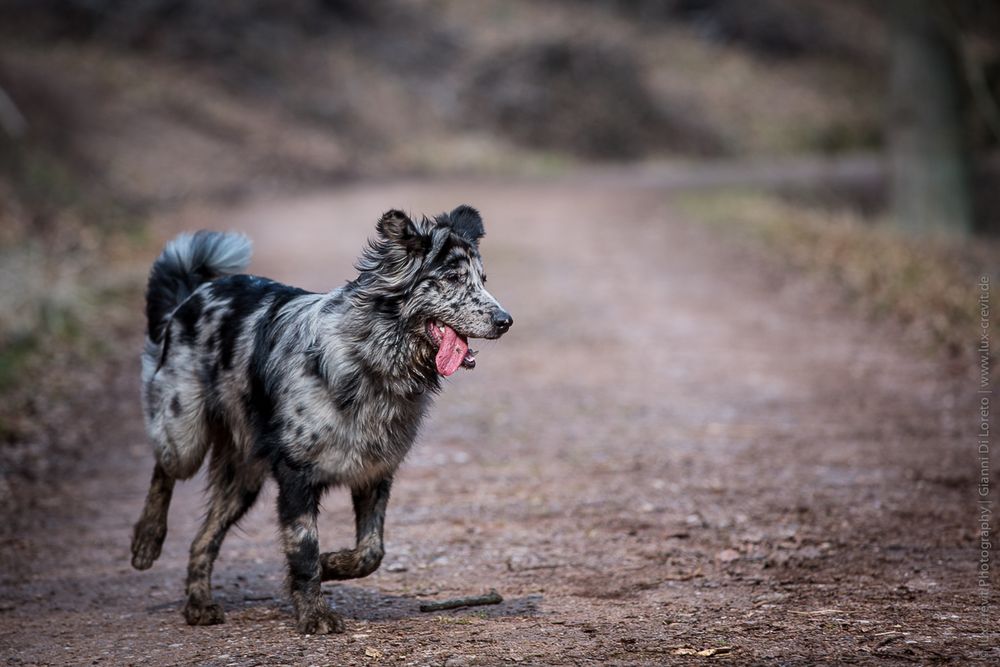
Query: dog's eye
454, 278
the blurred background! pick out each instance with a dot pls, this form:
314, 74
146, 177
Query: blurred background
111, 110
672, 170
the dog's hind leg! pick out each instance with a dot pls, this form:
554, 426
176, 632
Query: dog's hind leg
234, 487
180, 440
369, 516
151, 529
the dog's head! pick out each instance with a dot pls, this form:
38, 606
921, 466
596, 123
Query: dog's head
430, 276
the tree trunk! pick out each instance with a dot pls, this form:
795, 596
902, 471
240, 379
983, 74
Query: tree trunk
929, 152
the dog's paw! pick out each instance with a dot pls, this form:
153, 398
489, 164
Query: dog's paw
339, 564
320, 621
147, 541
349, 563
204, 613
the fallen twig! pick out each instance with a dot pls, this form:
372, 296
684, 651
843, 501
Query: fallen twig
476, 600
705, 653
888, 640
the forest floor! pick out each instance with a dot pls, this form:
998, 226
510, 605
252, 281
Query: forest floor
675, 450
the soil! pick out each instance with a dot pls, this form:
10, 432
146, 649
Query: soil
675, 449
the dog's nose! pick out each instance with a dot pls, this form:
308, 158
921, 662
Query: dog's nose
502, 321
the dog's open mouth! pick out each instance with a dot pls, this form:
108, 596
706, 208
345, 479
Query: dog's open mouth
453, 349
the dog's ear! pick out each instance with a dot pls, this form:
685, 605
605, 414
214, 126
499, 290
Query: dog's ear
396, 227
467, 223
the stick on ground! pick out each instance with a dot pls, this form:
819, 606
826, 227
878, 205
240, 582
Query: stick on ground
476, 600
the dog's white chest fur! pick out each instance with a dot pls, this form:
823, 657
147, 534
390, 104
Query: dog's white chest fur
354, 444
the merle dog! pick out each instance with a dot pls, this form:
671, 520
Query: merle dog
317, 390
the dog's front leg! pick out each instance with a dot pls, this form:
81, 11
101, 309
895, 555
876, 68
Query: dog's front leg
298, 504
369, 515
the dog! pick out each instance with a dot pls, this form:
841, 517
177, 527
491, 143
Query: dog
314, 390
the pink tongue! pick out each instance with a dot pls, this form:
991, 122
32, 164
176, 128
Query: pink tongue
451, 352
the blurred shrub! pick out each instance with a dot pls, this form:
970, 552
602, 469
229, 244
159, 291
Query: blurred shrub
775, 28
584, 98
247, 31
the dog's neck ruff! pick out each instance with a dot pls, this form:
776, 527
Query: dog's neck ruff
389, 348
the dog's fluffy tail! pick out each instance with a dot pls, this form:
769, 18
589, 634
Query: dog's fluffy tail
187, 262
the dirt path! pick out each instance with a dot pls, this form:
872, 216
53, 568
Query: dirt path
671, 450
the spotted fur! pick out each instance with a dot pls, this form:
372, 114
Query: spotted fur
314, 390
